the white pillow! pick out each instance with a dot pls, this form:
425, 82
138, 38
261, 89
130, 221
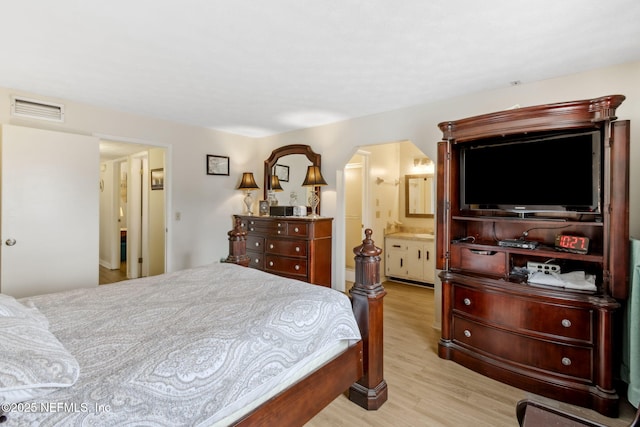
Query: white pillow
10, 307
34, 362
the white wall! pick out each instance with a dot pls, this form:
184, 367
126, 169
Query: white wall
207, 202
338, 142
108, 254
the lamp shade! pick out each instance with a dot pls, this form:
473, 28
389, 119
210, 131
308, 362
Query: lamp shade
275, 183
314, 177
247, 182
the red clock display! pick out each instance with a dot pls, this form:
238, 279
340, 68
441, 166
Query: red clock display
569, 243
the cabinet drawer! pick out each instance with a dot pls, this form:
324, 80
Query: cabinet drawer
557, 321
395, 244
289, 266
299, 230
487, 262
256, 259
574, 361
294, 248
267, 227
255, 243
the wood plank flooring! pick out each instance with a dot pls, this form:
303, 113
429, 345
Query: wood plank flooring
107, 276
425, 390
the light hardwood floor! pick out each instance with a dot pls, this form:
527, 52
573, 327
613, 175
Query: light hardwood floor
107, 276
425, 390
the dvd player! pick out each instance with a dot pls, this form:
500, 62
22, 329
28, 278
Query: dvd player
518, 243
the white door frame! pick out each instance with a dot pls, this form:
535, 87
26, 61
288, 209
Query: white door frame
168, 189
340, 253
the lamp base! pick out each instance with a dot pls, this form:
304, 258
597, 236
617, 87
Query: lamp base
315, 201
248, 201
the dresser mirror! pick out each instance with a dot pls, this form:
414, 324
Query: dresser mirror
290, 164
418, 196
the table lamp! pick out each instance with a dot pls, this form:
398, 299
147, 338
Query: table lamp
314, 179
275, 186
248, 184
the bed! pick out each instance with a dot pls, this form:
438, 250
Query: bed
220, 344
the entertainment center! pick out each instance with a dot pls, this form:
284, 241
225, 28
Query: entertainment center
533, 244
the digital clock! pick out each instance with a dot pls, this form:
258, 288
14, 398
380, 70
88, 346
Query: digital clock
569, 243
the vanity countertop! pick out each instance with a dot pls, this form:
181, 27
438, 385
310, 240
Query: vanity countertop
411, 236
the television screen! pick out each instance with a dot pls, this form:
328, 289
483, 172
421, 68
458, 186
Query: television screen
550, 173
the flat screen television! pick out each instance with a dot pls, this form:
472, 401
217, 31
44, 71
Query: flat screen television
545, 173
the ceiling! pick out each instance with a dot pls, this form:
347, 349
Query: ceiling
260, 68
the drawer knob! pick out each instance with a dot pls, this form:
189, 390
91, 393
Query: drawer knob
258, 244
566, 323
467, 333
279, 225
466, 301
297, 267
278, 231
257, 261
270, 263
566, 361
252, 222
297, 249
271, 246
296, 229
251, 229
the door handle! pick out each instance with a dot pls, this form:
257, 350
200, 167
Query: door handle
10, 242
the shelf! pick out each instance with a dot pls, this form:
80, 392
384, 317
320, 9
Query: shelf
540, 251
531, 220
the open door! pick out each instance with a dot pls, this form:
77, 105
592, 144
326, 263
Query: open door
50, 211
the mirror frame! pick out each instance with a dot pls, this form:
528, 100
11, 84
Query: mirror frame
286, 150
406, 195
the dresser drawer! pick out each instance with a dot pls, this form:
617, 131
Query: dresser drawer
288, 266
255, 243
278, 228
557, 321
294, 248
256, 259
297, 229
479, 261
574, 361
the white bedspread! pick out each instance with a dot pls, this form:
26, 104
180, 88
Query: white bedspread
185, 348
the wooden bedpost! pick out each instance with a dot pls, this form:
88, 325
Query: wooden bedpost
238, 244
367, 294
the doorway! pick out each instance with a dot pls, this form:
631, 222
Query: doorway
382, 169
132, 212
356, 174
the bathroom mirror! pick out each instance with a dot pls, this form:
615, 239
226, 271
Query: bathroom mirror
419, 196
290, 164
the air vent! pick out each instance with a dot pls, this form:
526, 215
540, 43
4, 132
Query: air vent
34, 109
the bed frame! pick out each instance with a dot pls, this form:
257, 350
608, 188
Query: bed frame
358, 370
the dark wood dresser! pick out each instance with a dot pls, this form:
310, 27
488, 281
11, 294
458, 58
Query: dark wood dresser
295, 247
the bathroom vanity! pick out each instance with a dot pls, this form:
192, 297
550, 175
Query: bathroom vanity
410, 257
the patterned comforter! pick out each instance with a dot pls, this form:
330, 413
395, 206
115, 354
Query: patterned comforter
184, 348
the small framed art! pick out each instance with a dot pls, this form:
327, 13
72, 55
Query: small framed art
282, 172
217, 165
264, 207
157, 179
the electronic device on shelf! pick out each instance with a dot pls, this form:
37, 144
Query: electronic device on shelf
518, 243
569, 243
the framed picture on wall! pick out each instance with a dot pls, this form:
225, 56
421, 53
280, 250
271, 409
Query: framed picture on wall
282, 172
157, 179
217, 165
